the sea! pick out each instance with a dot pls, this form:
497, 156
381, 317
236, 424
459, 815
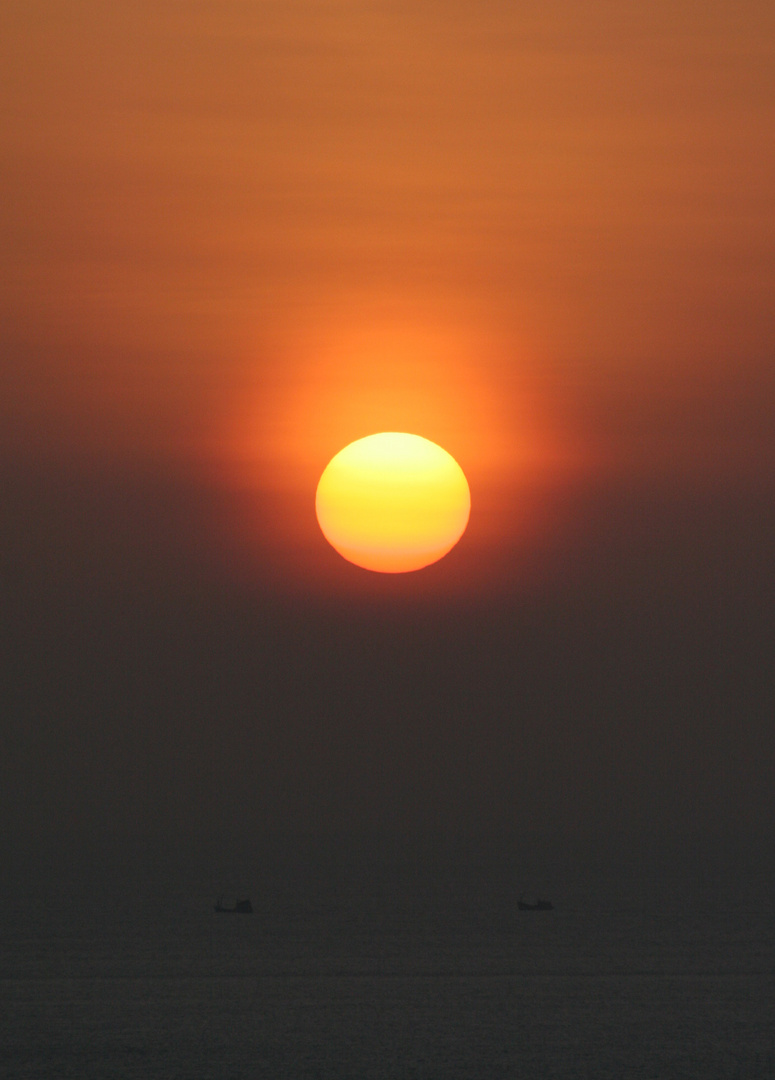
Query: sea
348, 972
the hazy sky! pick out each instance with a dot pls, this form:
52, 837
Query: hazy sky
238, 235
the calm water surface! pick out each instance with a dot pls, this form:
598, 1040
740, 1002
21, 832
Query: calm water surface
366, 978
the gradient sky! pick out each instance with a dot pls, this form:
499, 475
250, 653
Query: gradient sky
237, 236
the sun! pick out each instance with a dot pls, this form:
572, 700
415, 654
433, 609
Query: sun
393, 502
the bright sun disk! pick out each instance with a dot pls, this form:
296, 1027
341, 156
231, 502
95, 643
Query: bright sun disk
393, 502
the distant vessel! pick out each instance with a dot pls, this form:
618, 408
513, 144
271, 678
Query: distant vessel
239, 907
534, 905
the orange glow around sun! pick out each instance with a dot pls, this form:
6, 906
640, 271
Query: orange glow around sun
334, 381
393, 502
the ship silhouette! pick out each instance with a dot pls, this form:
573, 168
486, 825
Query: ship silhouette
239, 907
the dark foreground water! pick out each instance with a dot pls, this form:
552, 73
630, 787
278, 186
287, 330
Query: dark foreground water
363, 977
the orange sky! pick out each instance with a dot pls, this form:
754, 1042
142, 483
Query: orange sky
238, 235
